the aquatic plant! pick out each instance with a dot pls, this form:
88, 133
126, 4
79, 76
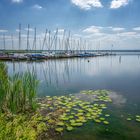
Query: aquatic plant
4, 85
128, 119
17, 93
138, 118
72, 111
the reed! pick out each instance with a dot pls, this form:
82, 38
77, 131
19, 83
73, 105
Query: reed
17, 93
4, 85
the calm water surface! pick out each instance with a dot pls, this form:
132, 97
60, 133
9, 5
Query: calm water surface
120, 73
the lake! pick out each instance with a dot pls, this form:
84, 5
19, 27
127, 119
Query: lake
120, 74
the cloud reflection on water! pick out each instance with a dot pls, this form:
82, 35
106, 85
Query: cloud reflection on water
117, 99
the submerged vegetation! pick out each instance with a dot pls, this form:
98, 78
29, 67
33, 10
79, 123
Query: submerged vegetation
24, 116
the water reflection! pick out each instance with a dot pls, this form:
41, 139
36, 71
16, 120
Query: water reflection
64, 76
116, 73
117, 99
120, 59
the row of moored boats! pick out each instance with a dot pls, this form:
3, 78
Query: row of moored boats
50, 55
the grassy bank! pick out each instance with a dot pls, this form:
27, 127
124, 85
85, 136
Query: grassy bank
19, 118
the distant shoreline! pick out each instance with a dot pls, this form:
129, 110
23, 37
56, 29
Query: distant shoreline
39, 51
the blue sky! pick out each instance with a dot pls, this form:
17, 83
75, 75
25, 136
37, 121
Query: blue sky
109, 21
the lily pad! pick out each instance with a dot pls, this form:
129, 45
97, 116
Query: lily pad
106, 122
138, 120
76, 124
59, 129
70, 128
60, 124
128, 119
97, 120
107, 115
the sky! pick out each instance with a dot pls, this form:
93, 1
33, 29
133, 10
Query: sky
103, 22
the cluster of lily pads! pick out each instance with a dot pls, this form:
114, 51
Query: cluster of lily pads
137, 118
69, 112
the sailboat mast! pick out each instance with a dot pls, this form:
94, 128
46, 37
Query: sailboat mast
56, 39
4, 41
34, 42
28, 37
49, 40
19, 36
67, 42
35, 38
12, 41
63, 40
44, 39
40, 43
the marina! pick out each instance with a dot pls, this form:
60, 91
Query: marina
51, 46
31, 57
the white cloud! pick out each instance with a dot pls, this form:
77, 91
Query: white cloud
61, 31
105, 34
101, 30
17, 1
93, 29
136, 28
30, 29
17, 30
118, 3
77, 35
128, 34
3, 31
117, 29
87, 4
37, 6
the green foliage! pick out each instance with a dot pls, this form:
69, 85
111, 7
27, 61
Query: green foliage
4, 85
20, 127
17, 93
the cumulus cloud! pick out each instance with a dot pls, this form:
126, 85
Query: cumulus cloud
100, 30
17, 1
136, 28
17, 30
109, 33
118, 29
30, 29
87, 4
118, 3
37, 6
61, 30
93, 29
128, 34
3, 31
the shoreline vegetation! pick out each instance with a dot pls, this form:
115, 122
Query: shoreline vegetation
23, 116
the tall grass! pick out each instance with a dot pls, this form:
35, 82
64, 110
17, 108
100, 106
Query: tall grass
17, 93
4, 85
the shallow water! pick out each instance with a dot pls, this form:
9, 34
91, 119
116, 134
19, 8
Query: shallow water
120, 73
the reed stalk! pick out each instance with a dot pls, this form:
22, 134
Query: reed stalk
17, 92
